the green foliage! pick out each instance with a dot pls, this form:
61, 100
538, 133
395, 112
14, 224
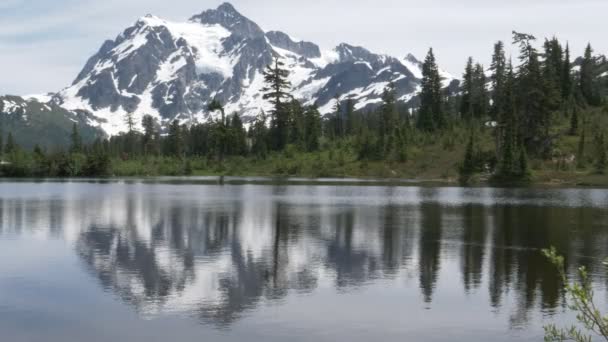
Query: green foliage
523, 128
430, 114
600, 153
588, 83
76, 140
468, 165
580, 156
276, 92
580, 297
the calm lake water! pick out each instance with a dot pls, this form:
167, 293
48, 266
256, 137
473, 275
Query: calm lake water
172, 261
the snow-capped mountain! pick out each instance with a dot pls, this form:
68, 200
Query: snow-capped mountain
171, 70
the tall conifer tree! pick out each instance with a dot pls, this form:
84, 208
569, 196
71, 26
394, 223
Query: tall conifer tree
430, 114
276, 92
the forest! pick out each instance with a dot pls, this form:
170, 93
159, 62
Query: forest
538, 117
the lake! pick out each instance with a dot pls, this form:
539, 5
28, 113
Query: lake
174, 260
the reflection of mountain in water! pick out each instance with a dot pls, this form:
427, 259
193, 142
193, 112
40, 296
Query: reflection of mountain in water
216, 252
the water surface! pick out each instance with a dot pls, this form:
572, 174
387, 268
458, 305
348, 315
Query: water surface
158, 261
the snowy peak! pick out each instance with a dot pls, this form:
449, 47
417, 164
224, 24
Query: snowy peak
284, 41
172, 70
228, 17
349, 53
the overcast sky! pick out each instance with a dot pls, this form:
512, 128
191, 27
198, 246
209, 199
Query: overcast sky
45, 43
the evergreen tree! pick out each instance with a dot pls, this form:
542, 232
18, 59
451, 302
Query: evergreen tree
130, 122
337, 120
498, 78
276, 92
399, 148
523, 162
468, 166
76, 140
566, 76
479, 97
130, 139
219, 133
552, 73
580, 156
297, 132
10, 145
351, 124
238, 141
430, 114
587, 80
573, 121
600, 153
313, 128
466, 103
259, 136
531, 97
1, 143
175, 146
388, 110
151, 135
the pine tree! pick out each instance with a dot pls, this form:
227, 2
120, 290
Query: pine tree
220, 133
1, 143
351, 123
580, 156
130, 122
313, 128
468, 166
276, 92
399, 149
76, 140
479, 97
588, 78
573, 121
388, 110
552, 73
532, 96
338, 125
600, 153
430, 114
388, 119
175, 142
297, 124
466, 103
150, 138
507, 128
238, 141
10, 146
523, 162
498, 78
566, 76
259, 136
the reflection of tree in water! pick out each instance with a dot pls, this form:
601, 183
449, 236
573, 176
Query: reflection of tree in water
181, 255
429, 248
473, 245
519, 233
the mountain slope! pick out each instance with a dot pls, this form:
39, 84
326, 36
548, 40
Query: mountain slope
171, 70
32, 121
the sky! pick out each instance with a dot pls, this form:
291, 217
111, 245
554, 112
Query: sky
45, 43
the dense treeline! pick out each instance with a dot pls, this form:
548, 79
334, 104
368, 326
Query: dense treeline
503, 117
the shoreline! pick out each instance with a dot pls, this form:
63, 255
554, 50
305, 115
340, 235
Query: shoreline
296, 180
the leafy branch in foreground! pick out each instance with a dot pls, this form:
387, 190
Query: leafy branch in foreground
580, 297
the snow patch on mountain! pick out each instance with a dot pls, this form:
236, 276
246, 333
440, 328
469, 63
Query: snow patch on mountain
172, 70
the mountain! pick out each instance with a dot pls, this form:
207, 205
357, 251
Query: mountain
37, 120
172, 70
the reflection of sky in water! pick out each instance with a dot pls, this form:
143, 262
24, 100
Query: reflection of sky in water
299, 262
